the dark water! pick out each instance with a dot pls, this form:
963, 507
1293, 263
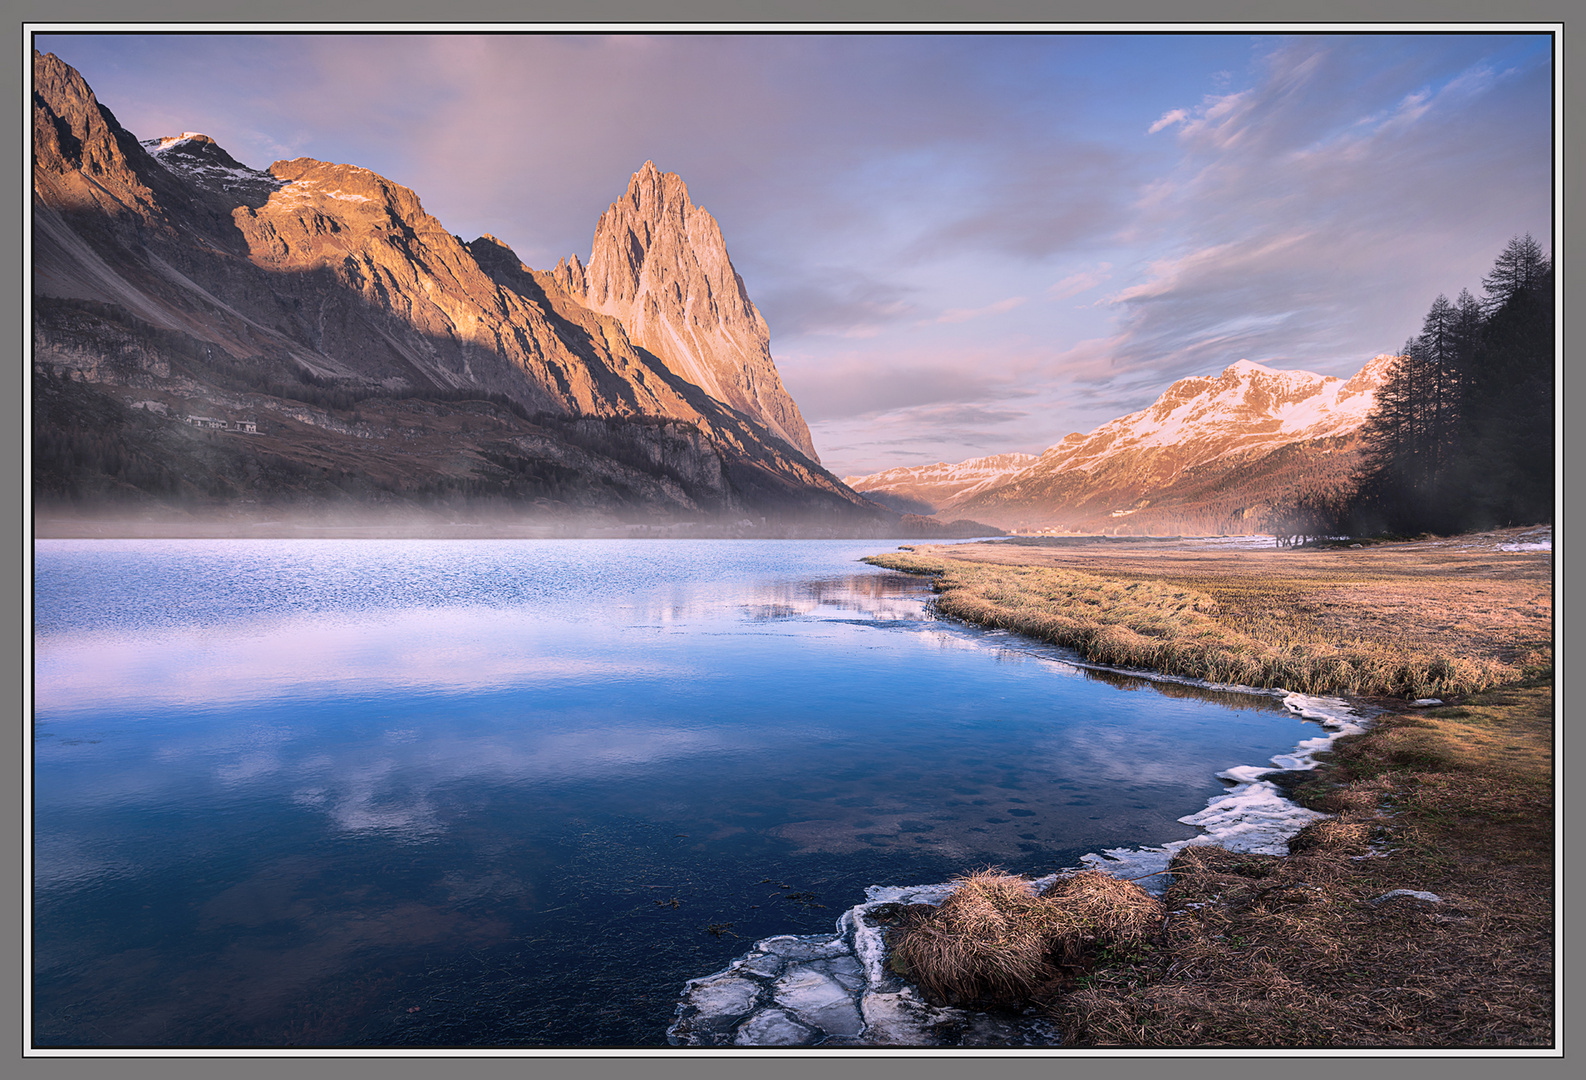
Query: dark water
474, 793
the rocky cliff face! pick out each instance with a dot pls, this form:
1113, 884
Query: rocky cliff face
170, 269
660, 266
1207, 455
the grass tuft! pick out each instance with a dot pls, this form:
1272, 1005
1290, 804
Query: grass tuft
995, 942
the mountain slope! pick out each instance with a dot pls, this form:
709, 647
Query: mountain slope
322, 302
1208, 455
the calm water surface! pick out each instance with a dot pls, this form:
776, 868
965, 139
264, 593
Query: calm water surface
478, 793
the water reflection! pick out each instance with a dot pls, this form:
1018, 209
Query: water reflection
278, 819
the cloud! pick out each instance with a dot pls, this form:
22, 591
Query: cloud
842, 301
1168, 119
958, 315
861, 384
1310, 229
1083, 281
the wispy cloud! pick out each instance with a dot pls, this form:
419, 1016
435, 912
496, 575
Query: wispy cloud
1168, 119
958, 315
1083, 281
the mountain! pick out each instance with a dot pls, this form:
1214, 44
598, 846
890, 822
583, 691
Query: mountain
379, 358
660, 266
1209, 455
928, 488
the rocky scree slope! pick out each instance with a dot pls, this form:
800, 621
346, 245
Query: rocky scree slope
324, 302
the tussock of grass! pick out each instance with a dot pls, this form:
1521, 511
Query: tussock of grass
993, 941
1183, 631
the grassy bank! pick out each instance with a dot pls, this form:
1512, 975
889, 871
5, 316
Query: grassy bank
1453, 802
1320, 627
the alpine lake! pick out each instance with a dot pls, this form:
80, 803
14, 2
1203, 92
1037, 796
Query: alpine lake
477, 793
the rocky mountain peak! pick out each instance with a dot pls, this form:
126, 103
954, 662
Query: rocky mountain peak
1369, 378
659, 265
83, 160
200, 159
389, 351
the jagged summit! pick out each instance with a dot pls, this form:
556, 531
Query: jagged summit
200, 159
659, 265
83, 160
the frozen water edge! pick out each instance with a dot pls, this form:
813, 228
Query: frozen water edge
832, 992
1253, 816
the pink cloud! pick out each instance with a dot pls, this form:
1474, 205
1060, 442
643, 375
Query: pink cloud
958, 315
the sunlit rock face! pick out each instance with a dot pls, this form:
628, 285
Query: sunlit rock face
659, 265
78, 162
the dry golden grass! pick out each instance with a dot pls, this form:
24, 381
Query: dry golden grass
1396, 620
994, 941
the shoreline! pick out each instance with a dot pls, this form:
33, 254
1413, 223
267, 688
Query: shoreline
836, 991
1345, 817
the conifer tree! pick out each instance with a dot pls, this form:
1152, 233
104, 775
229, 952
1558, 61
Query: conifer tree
1518, 269
1461, 436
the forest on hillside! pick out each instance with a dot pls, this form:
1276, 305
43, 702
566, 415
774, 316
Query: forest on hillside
1461, 436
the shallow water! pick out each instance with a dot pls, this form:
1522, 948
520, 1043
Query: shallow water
514, 793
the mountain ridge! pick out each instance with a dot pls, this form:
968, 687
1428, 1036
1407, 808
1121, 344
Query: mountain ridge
1211, 453
352, 328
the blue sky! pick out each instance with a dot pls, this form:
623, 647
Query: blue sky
963, 244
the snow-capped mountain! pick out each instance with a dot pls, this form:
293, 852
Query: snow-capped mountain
1206, 455
200, 159
1248, 407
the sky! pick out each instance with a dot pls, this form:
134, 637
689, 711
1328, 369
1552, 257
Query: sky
962, 244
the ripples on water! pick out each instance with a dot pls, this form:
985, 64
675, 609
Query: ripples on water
479, 793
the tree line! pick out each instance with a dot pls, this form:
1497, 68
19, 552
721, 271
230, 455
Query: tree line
1461, 436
